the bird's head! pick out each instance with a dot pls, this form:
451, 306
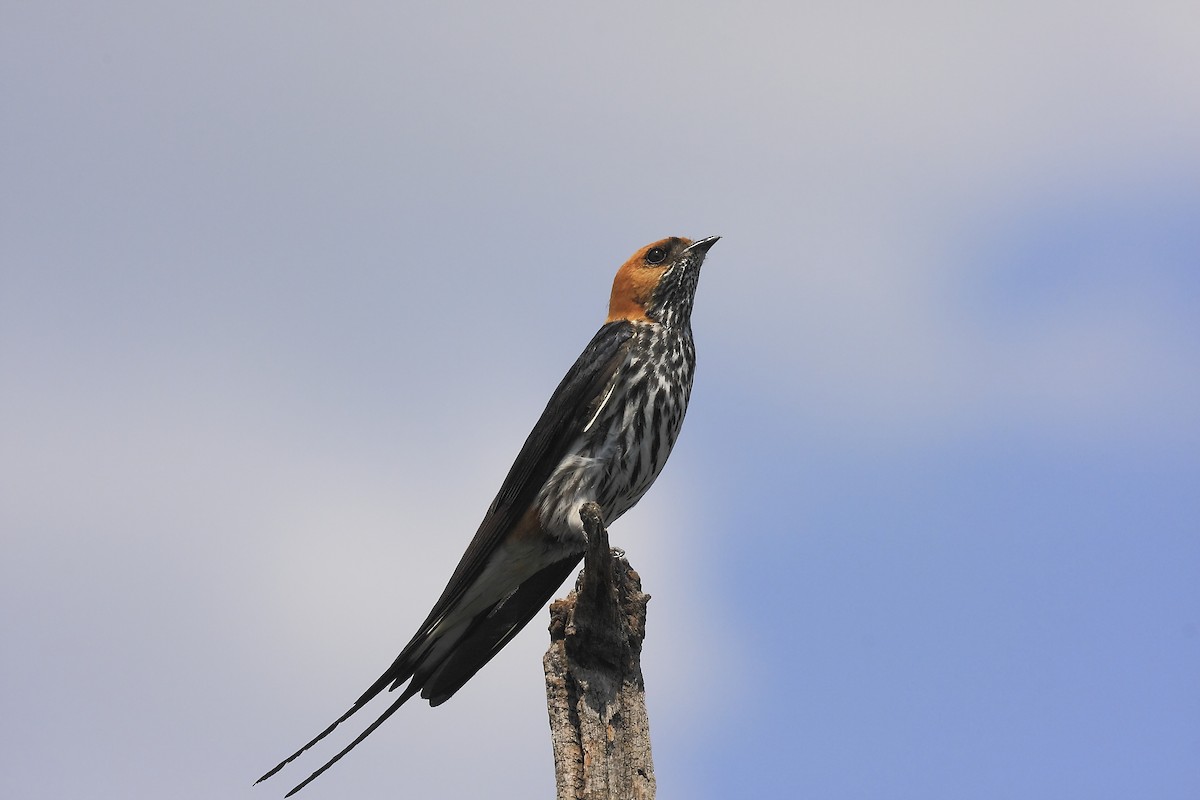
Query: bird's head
659, 282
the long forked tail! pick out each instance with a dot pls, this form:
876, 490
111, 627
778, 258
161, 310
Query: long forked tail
409, 691
365, 698
440, 669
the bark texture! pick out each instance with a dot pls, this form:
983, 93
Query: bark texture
594, 688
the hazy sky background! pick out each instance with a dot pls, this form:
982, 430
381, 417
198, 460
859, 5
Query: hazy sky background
285, 285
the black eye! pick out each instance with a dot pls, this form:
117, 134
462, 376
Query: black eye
656, 255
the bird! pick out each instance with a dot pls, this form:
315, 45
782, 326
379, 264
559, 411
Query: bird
603, 438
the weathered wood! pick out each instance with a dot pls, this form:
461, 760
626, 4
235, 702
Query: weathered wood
594, 688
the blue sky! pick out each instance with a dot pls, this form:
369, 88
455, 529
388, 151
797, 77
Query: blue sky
283, 288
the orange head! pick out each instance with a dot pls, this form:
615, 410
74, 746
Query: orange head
658, 283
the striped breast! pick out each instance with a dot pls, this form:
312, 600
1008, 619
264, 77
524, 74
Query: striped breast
624, 446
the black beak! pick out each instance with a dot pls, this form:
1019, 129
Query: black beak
702, 246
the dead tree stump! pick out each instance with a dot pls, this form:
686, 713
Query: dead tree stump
594, 687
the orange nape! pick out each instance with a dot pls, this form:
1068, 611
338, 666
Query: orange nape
634, 285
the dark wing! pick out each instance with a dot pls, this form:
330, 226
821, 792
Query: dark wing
493, 629
568, 411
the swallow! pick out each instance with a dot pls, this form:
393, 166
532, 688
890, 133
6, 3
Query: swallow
603, 438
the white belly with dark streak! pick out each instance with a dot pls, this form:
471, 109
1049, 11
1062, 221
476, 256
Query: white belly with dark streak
617, 457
